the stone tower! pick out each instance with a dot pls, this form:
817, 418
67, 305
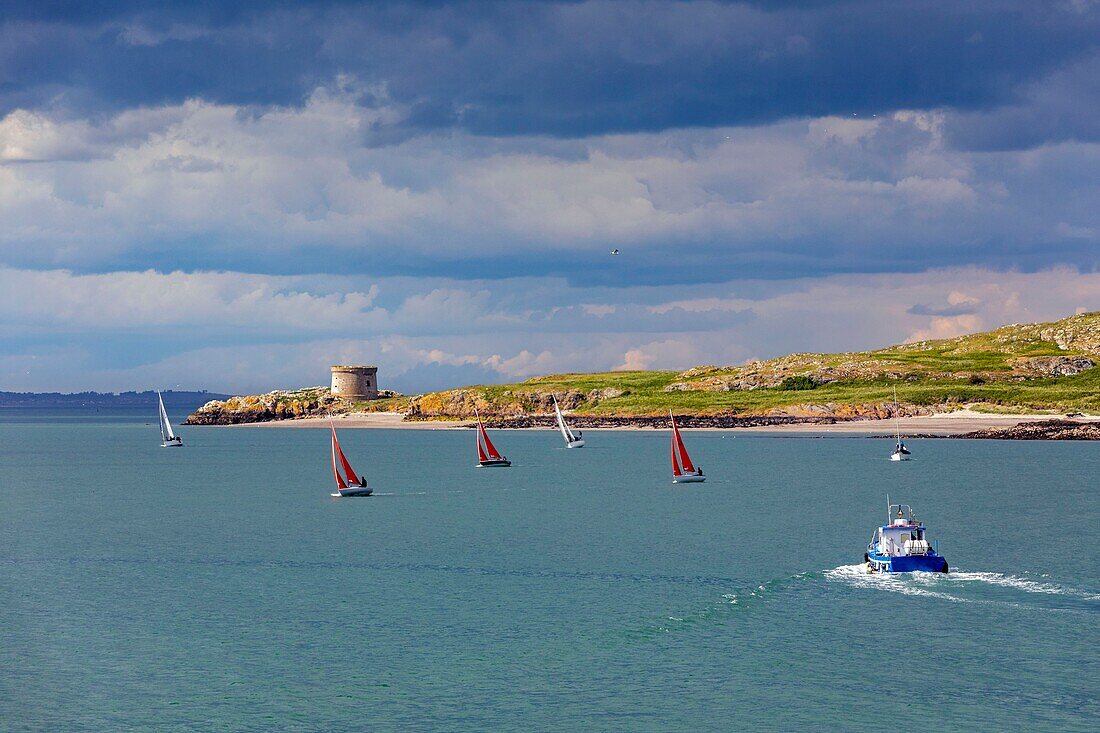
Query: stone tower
355, 382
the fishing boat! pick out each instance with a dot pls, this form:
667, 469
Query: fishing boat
901, 545
348, 484
168, 439
901, 453
487, 454
572, 440
683, 470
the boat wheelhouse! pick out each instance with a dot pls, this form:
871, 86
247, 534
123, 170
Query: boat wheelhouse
902, 545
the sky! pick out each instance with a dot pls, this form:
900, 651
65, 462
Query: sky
233, 196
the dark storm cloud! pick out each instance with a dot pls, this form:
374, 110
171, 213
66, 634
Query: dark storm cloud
562, 69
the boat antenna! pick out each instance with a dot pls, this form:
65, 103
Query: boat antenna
888, 508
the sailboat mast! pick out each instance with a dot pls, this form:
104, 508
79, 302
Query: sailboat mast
335, 472
676, 464
897, 415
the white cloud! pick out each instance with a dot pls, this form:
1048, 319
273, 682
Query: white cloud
265, 183
213, 301
945, 327
296, 327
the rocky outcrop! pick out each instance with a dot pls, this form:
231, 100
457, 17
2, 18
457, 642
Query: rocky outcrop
1051, 366
278, 405
855, 411
1041, 430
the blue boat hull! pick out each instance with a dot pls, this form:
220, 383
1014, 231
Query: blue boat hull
907, 563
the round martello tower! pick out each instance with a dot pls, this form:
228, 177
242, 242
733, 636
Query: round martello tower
355, 382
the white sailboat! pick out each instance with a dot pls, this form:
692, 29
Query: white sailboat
901, 453
683, 470
572, 440
168, 439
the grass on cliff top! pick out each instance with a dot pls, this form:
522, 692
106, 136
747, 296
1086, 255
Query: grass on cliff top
923, 365
1080, 392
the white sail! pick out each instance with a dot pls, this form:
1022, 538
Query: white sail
561, 422
572, 440
166, 433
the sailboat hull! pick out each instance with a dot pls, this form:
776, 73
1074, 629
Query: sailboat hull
575, 444
172, 444
899, 457
502, 463
689, 478
354, 491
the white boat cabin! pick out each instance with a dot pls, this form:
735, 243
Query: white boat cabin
903, 536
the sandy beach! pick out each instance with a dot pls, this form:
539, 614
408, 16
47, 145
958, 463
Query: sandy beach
949, 423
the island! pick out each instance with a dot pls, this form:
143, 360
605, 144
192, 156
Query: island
1038, 369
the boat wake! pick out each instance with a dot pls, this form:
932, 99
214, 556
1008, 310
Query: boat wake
1025, 584
998, 589
961, 586
858, 577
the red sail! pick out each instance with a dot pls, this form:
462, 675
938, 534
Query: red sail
348, 471
489, 447
685, 459
339, 481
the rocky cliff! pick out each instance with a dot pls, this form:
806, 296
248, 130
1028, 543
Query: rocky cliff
278, 405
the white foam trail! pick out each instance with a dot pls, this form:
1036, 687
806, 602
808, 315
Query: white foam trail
858, 577
917, 584
1024, 584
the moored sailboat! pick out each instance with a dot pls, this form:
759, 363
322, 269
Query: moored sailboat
168, 439
572, 439
348, 484
487, 453
901, 453
683, 470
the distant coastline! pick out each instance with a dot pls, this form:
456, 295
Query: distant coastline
173, 400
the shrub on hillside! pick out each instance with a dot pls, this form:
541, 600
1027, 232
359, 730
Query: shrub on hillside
797, 383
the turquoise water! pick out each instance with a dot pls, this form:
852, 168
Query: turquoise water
219, 587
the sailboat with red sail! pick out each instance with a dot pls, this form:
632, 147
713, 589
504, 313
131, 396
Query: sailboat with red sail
347, 484
487, 453
683, 470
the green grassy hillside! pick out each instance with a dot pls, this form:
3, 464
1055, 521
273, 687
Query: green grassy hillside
1019, 368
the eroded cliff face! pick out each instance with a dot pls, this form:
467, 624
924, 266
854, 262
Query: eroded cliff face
277, 405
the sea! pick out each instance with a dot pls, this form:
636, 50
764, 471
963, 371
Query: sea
219, 587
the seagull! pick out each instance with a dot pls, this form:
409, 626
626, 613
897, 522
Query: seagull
614, 251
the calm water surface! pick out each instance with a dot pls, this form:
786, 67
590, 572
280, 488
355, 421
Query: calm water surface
219, 587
